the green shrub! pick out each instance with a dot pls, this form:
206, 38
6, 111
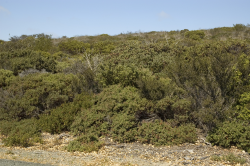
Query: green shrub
37, 60
243, 108
18, 61
61, 118
123, 128
89, 121
59, 55
195, 35
23, 133
32, 95
102, 47
37, 42
86, 80
113, 74
231, 158
85, 143
116, 111
239, 27
73, 47
231, 134
161, 133
152, 88
152, 56
6, 76
207, 72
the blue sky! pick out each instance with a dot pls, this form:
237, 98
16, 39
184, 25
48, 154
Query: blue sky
93, 17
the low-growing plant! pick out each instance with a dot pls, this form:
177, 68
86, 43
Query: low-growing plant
23, 133
85, 143
231, 158
161, 133
231, 134
215, 158
123, 128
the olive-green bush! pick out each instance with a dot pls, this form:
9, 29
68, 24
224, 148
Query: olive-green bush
23, 133
6, 76
61, 118
118, 111
208, 73
122, 85
161, 133
18, 61
34, 94
195, 35
85, 143
231, 134
73, 46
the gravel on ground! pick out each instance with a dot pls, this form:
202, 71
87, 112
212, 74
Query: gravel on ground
53, 153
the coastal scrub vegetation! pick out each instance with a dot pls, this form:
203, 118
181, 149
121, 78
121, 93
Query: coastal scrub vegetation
152, 87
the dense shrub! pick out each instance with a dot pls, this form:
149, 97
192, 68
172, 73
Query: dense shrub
23, 133
6, 76
152, 56
119, 110
243, 109
127, 84
152, 88
36, 60
161, 133
36, 42
231, 134
112, 74
32, 95
208, 73
18, 61
86, 72
239, 27
61, 118
85, 143
109, 103
195, 35
102, 47
73, 46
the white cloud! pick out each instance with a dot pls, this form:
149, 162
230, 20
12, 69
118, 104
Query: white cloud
163, 15
3, 10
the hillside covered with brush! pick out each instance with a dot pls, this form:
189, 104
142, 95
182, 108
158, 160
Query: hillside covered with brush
154, 87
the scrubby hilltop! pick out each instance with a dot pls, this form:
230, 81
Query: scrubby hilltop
154, 87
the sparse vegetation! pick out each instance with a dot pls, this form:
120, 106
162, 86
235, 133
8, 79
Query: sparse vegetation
231, 158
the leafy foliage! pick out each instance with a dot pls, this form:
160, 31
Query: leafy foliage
127, 87
6, 76
23, 133
231, 134
18, 61
207, 72
195, 35
85, 143
35, 94
161, 133
61, 118
73, 46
